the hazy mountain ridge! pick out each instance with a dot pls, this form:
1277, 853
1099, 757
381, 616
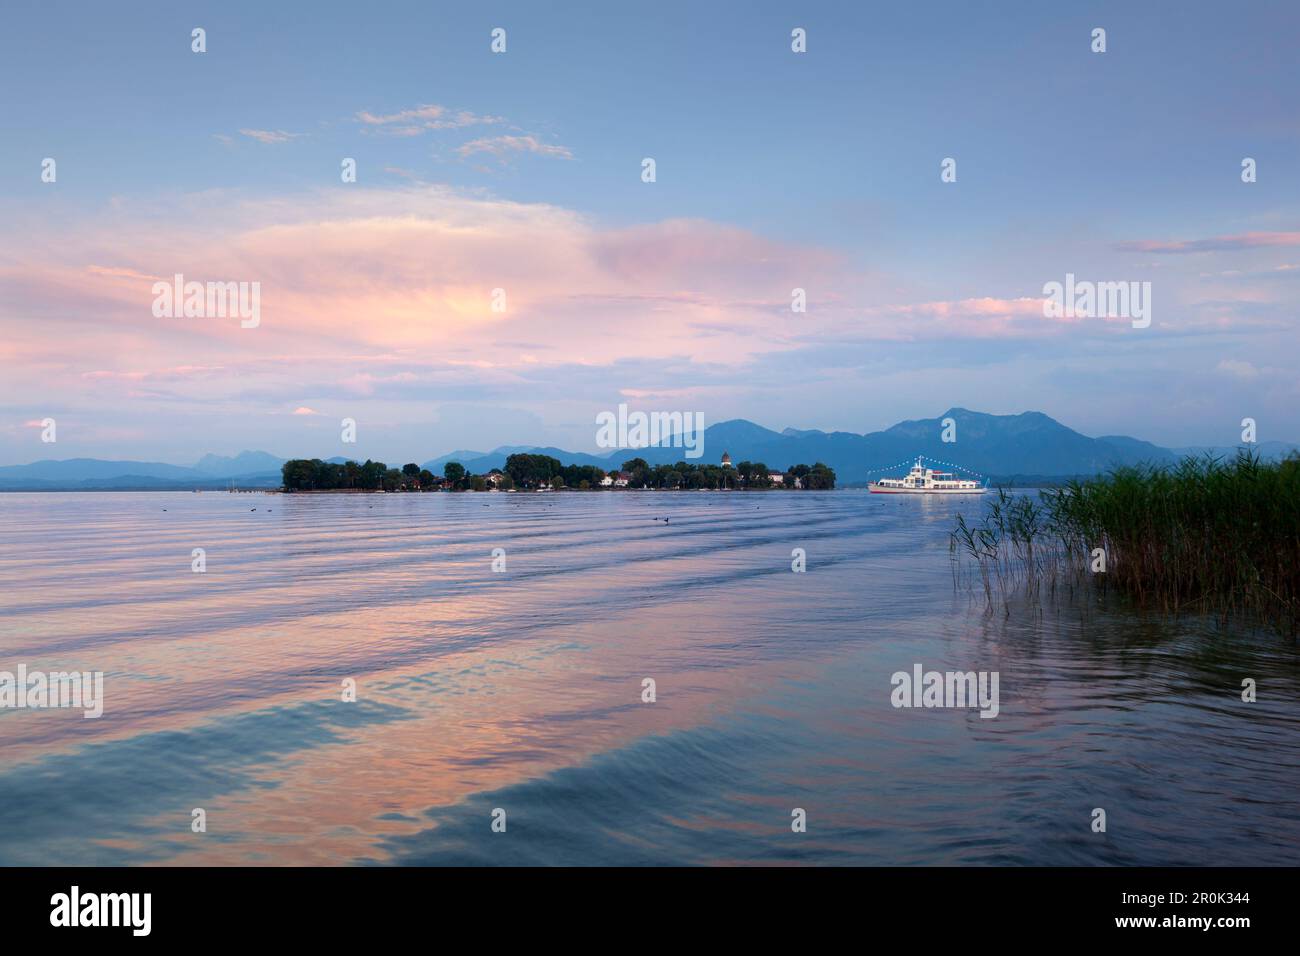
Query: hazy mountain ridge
998, 446
1030, 444
245, 463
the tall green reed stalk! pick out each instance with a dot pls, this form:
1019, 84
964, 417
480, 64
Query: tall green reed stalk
1208, 535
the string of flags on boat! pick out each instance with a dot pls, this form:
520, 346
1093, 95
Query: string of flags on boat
912, 458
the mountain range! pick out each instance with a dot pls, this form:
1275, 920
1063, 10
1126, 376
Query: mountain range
1026, 448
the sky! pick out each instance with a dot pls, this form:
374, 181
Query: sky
522, 171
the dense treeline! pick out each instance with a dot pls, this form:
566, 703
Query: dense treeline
312, 474
536, 471
532, 471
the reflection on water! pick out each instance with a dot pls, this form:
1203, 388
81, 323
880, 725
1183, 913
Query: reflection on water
522, 690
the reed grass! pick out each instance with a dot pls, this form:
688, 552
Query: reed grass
1207, 535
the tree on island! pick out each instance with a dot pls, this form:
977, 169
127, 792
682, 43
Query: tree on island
454, 473
312, 474
638, 472
754, 474
576, 476
531, 471
819, 477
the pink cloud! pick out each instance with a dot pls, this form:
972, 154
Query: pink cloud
378, 292
110, 272
430, 112
1246, 240
501, 146
983, 317
413, 122
175, 373
270, 136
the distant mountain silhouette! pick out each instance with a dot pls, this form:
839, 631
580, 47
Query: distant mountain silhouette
435, 464
247, 469
1028, 446
83, 469
995, 445
497, 458
245, 463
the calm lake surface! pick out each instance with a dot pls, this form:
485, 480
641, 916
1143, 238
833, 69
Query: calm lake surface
522, 690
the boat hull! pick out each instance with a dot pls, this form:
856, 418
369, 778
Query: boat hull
878, 490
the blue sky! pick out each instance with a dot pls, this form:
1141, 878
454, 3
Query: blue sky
818, 169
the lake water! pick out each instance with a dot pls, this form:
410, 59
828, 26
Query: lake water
522, 690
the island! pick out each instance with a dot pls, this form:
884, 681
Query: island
527, 472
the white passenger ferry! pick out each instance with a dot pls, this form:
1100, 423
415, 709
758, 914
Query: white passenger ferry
925, 481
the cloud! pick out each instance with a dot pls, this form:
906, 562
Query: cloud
382, 297
503, 146
977, 318
982, 306
270, 135
1286, 270
1238, 369
413, 122
426, 113
403, 277
161, 374
111, 272
1246, 240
